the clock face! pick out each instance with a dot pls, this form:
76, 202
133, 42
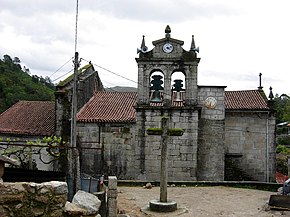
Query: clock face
210, 102
167, 48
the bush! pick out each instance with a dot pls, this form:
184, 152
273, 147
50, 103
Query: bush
284, 141
282, 149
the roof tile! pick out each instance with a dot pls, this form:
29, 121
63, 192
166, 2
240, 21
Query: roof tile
109, 107
245, 100
29, 118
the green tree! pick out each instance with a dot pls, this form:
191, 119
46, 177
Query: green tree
7, 59
282, 106
17, 84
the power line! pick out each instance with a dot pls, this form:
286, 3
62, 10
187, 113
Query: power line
222, 110
61, 67
62, 76
121, 76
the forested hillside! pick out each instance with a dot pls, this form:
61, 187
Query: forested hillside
17, 84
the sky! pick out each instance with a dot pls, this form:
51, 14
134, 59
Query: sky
238, 39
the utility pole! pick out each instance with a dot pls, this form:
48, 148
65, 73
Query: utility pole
74, 151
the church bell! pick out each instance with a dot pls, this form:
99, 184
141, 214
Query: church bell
177, 97
156, 97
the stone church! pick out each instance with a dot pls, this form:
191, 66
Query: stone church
224, 132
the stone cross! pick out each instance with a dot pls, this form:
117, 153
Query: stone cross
163, 205
164, 160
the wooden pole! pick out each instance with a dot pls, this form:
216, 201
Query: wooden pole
164, 160
75, 163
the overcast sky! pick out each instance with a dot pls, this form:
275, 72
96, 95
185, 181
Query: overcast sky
237, 39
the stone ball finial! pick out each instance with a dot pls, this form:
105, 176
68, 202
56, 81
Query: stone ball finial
167, 29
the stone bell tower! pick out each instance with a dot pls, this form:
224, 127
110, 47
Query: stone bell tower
167, 57
161, 93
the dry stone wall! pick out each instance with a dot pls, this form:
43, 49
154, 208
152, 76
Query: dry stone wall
31, 199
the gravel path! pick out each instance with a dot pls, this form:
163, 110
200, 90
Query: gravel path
199, 202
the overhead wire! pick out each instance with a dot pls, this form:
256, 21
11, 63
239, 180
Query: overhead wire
216, 109
61, 67
121, 76
62, 75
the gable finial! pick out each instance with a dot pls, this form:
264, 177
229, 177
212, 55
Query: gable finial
260, 82
143, 42
271, 95
192, 47
143, 47
167, 31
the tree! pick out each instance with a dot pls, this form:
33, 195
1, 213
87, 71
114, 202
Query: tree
17, 84
7, 59
26, 70
16, 60
282, 106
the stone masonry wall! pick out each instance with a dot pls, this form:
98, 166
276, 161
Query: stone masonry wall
107, 149
249, 140
211, 146
30, 199
211, 150
181, 149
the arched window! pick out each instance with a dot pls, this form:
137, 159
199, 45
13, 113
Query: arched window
156, 86
178, 86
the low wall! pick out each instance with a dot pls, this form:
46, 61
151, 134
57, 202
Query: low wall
25, 199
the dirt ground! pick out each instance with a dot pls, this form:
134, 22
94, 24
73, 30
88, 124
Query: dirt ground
199, 202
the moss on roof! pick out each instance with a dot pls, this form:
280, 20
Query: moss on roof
70, 78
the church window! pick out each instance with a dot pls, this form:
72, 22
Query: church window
178, 86
156, 87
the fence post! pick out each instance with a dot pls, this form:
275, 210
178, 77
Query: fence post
112, 196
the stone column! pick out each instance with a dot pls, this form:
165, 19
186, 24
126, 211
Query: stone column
164, 159
112, 196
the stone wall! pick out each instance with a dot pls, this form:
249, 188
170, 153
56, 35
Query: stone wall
210, 134
106, 149
218, 92
211, 145
182, 150
250, 142
211, 150
30, 199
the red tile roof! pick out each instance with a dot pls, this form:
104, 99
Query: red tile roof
36, 118
109, 107
245, 100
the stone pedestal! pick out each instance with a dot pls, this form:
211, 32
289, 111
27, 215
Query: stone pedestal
156, 205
